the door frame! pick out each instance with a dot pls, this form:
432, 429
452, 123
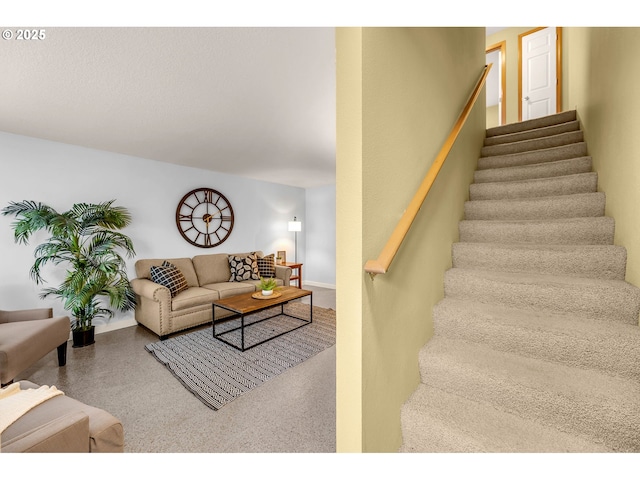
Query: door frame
558, 68
502, 46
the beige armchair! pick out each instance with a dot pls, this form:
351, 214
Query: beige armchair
28, 335
63, 424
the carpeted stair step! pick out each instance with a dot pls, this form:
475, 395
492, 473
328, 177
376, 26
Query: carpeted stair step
555, 119
531, 134
596, 407
589, 261
532, 144
564, 152
536, 187
563, 206
434, 421
562, 231
614, 300
540, 170
564, 339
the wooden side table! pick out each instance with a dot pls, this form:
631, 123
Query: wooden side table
296, 273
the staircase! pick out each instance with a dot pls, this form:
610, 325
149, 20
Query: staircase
536, 345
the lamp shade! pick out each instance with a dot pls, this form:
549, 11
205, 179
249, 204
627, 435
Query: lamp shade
295, 226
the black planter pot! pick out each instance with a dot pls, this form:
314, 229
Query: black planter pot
82, 338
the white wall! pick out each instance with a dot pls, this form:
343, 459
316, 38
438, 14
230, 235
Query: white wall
60, 175
320, 237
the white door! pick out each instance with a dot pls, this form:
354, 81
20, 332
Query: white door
539, 77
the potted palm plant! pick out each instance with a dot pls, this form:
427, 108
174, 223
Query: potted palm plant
85, 242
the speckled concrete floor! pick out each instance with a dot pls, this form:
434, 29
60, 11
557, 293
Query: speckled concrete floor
293, 412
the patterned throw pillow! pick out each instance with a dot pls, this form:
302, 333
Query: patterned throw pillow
168, 275
267, 266
243, 268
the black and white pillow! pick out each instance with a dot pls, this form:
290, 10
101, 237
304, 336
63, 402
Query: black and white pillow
267, 266
170, 276
243, 268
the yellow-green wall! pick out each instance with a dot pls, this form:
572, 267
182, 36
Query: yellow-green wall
601, 71
493, 115
349, 239
406, 86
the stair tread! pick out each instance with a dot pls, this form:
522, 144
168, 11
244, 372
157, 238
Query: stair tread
535, 187
616, 300
590, 204
576, 230
523, 200
575, 400
549, 221
542, 247
562, 338
553, 119
533, 278
478, 361
564, 152
535, 170
533, 144
593, 261
445, 422
528, 181
533, 133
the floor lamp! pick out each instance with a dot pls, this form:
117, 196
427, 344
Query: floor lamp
295, 227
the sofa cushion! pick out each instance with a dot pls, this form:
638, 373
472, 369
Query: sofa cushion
193, 297
212, 268
267, 266
229, 289
169, 276
243, 268
185, 265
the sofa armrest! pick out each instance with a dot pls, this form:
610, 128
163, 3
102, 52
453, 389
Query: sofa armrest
284, 274
150, 290
68, 433
153, 306
7, 316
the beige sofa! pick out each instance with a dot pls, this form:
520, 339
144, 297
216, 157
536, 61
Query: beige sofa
207, 278
63, 425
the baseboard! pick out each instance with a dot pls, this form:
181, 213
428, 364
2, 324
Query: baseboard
318, 284
127, 322
108, 327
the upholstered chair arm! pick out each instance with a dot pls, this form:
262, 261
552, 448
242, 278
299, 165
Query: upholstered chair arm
68, 433
7, 316
284, 274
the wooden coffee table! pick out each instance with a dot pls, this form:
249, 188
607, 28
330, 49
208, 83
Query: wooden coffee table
245, 304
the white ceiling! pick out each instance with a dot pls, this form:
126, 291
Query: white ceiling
257, 102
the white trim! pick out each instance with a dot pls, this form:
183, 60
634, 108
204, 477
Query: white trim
127, 322
318, 284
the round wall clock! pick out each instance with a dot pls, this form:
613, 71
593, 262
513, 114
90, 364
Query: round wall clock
204, 217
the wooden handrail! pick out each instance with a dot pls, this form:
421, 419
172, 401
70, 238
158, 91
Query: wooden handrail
382, 263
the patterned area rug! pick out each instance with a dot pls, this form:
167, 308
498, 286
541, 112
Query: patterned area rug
217, 373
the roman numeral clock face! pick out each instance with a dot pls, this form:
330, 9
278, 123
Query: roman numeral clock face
204, 217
